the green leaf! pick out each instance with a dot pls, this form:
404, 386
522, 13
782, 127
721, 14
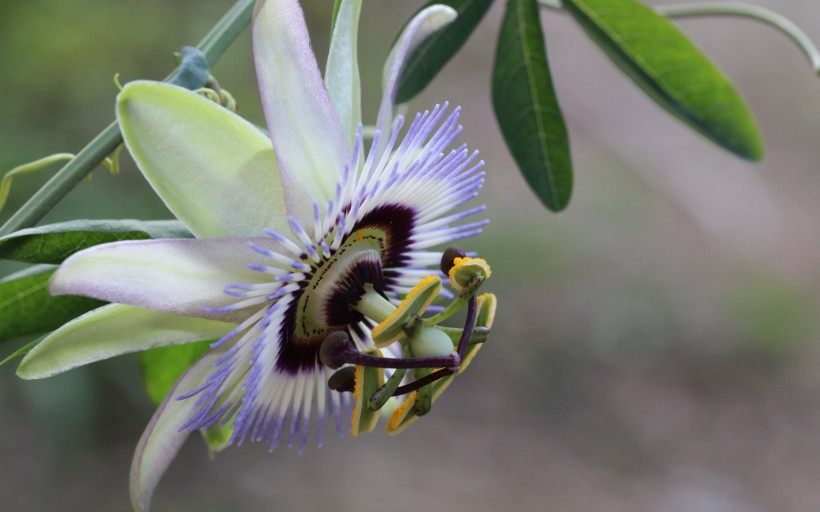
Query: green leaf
55, 242
20, 352
26, 307
663, 62
526, 107
432, 54
111, 331
162, 366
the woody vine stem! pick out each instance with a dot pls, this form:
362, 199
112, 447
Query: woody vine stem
212, 46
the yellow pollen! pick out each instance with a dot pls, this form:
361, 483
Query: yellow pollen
357, 398
401, 412
456, 262
466, 260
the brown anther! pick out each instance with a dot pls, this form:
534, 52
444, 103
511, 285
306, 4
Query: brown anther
449, 256
343, 381
333, 349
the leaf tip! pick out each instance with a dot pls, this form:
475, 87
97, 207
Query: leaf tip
755, 150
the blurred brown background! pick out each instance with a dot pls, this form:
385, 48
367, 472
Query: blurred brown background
656, 346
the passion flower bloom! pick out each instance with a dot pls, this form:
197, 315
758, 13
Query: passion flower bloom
311, 236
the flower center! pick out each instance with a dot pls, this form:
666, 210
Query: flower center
339, 282
336, 282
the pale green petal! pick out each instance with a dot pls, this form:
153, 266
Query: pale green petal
306, 133
111, 331
427, 21
162, 438
342, 71
215, 171
176, 275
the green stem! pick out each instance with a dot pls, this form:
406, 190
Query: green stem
755, 12
739, 9
213, 45
226, 30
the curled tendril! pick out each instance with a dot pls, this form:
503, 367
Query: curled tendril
219, 96
112, 163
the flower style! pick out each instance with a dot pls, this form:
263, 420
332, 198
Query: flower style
310, 253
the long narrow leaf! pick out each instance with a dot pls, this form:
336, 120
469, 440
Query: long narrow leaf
430, 56
526, 106
663, 62
27, 308
20, 352
55, 242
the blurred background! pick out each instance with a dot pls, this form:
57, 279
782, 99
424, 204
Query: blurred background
656, 345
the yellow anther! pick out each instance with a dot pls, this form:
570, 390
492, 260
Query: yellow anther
405, 414
466, 270
368, 380
486, 304
397, 419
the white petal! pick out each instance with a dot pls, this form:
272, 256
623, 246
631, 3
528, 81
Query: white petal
176, 275
306, 133
110, 331
215, 171
342, 72
162, 439
423, 24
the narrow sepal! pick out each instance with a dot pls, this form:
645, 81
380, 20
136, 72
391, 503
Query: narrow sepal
438, 48
342, 70
176, 275
162, 438
423, 24
306, 133
111, 331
